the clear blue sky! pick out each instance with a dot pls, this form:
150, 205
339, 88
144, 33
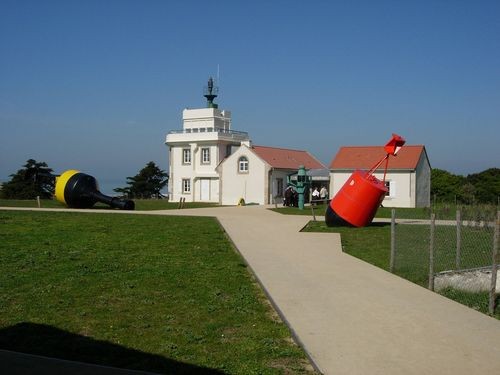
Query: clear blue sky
96, 85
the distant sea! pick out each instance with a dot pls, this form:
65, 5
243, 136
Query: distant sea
106, 186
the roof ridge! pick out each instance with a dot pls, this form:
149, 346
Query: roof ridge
379, 146
362, 157
280, 148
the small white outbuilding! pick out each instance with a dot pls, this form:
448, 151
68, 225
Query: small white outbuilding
408, 175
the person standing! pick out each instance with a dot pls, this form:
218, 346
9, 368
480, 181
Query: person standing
315, 195
323, 193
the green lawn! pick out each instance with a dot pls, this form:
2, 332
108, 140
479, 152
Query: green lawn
155, 293
44, 203
442, 211
140, 204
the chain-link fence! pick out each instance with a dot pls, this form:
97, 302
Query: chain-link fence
456, 258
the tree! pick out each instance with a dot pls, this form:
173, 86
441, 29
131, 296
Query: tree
445, 185
33, 180
486, 185
146, 184
482, 187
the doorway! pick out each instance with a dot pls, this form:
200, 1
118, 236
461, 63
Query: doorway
204, 189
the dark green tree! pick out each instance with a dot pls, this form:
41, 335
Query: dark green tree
468, 193
486, 185
446, 186
146, 184
482, 187
29, 182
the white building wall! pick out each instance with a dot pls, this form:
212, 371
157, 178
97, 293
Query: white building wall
423, 183
401, 192
201, 168
251, 186
178, 172
205, 118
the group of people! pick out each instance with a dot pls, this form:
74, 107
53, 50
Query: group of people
321, 195
291, 197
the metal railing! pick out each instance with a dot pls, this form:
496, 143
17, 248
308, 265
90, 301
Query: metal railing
209, 130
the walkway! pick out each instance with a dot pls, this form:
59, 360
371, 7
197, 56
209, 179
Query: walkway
352, 317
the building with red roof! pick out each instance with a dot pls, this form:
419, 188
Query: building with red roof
258, 174
408, 173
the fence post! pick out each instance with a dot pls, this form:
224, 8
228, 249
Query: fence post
38, 201
494, 266
431, 252
459, 239
393, 239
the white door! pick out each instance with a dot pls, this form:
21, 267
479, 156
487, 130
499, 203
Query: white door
204, 189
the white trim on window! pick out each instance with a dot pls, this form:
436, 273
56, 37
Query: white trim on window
243, 164
186, 186
186, 156
205, 155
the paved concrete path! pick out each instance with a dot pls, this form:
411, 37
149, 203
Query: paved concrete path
352, 317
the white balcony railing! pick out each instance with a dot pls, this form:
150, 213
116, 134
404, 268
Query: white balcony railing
209, 130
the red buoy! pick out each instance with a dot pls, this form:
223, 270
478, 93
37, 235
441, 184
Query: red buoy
358, 200
356, 203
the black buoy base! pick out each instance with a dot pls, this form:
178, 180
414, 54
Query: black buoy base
122, 204
81, 191
332, 219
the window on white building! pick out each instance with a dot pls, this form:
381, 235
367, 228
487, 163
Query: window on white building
186, 156
186, 186
391, 189
243, 164
205, 155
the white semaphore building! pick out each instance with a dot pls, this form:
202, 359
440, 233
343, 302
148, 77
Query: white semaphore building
195, 151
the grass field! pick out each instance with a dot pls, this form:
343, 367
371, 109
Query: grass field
155, 293
140, 204
442, 211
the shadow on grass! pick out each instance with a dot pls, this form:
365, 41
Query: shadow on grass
371, 225
381, 224
48, 341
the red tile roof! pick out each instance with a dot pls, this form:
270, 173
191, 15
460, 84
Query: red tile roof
287, 159
365, 157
